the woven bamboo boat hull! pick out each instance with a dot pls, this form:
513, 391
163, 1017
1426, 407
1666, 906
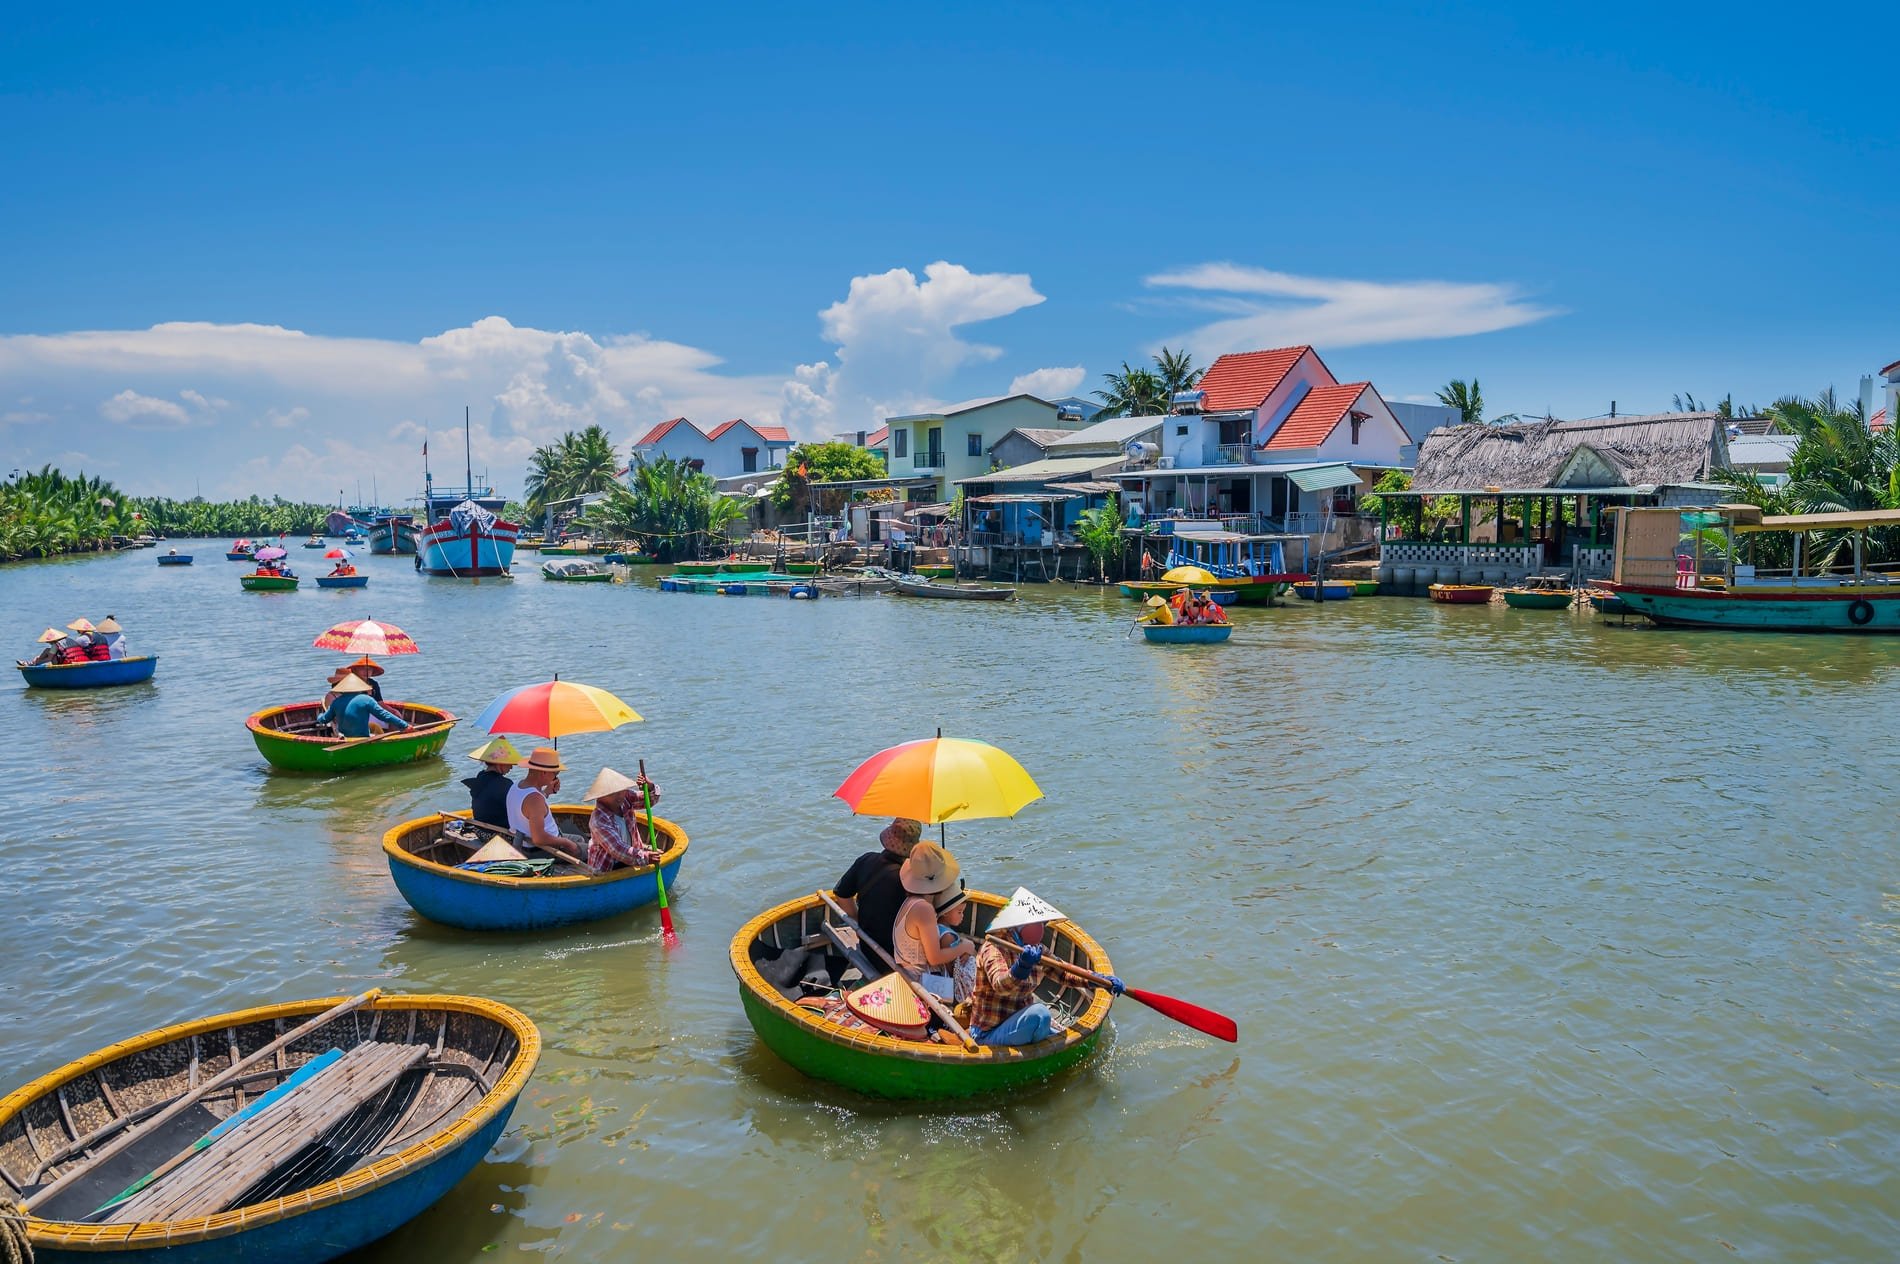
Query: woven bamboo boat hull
488, 1053
422, 865
886, 1066
1537, 598
1196, 634
1139, 588
268, 583
175, 559
304, 752
1329, 591
92, 675
343, 581
1365, 587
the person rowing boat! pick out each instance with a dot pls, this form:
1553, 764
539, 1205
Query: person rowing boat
353, 713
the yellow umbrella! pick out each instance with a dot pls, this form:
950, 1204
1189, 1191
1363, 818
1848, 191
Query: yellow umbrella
939, 779
1189, 575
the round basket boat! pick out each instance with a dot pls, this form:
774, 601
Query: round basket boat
97, 674
1461, 594
422, 861
888, 1066
1538, 598
268, 583
287, 738
1142, 588
458, 1065
343, 581
1187, 634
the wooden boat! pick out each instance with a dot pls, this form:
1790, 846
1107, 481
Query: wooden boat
1187, 633
371, 1157
1324, 590
1223, 596
1606, 602
423, 860
1538, 598
628, 559
576, 572
314, 542
1461, 594
908, 587
803, 568
1141, 589
97, 674
343, 581
887, 1066
697, 568
1365, 587
1257, 567
569, 548
174, 559
934, 572
268, 583
286, 737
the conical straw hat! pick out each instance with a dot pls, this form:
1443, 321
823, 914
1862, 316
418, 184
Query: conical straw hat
890, 1005
609, 782
82, 625
51, 635
108, 624
496, 750
352, 684
1025, 908
496, 849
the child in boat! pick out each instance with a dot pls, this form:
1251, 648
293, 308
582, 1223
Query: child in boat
616, 829
920, 945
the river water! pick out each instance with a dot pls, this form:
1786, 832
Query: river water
1547, 938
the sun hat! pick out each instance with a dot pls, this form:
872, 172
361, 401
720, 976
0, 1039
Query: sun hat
953, 901
496, 849
889, 1004
82, 625
352, 684
337, 675
108, 624
496, 750
928, 870
1155, 601
546, 759
51, 635
366, 664
901, 835
607, 782
1025, 908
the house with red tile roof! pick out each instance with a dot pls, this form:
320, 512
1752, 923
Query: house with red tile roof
730, 448
1891, 388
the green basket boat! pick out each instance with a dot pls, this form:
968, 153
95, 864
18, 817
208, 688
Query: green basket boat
268, 583
287, 738
934, 572
887, 1066
1139, 588
1365, 588
803, 568
1538, 598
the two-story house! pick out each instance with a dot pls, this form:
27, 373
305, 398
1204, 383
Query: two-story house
954, 442
732, 448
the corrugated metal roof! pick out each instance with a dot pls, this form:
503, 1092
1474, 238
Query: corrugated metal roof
1113, 433
1326, 476
1045, 469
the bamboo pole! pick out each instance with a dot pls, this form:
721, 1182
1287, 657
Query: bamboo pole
923, 993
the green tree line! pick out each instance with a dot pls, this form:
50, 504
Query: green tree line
46, 513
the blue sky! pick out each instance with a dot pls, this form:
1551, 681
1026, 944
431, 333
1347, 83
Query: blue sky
347, 223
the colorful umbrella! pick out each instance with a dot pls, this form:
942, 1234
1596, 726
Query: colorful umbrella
341, 554
1188, 575
939, 779
270, 554
555, 709
366, 636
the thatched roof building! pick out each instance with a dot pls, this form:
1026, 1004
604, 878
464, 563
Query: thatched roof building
1606, 455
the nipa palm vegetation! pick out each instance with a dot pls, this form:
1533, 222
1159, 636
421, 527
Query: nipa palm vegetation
577, 464
46, 513
674, 510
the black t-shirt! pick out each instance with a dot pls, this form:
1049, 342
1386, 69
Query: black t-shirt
488, 796
873, 881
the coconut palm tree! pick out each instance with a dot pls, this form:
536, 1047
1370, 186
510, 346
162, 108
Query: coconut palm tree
1132, 393
1177, 372
1466, 398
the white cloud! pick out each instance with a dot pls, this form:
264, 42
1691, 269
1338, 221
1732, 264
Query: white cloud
1263, 308
284, 418
130, 406
1051, 383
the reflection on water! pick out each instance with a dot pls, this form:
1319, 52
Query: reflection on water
1547, 938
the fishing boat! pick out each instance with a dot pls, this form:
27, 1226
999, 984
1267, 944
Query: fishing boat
338, 522
1529, 598
343, 581
466, 536
287, 738
826, 1042
96, 674
392, 533
1324, 590
1605, 601
424, 857
1142, 589
724, 566
1461, 594
1662, 570
174, 559
578, 546
626, 559
283, 1133
240, 551
907, 586
1186, 633
575, 571
268, 583
1258, 567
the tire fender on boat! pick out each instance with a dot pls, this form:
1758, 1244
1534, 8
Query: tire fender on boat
1861, 613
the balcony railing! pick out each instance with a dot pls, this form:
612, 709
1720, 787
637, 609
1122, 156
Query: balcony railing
927, 461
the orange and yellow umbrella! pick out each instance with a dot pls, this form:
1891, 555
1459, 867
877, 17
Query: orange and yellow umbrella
555, 708
366, 636
939, 779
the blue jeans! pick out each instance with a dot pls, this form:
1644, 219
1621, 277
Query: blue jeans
1026, 1026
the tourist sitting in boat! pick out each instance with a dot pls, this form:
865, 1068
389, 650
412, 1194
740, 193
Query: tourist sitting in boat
113, 636
367, 669
488, 789
616, 834
1207, 610
872, 890
343, 568
52, 641
920, 946
529, 815
353, 713
1004, 1009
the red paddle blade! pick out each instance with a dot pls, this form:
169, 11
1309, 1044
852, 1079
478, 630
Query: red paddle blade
1218, 1026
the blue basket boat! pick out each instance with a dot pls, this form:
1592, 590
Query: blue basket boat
1192, 634
374, 1160
343, 581
423, 859
1330, 590
174, 559
100, 674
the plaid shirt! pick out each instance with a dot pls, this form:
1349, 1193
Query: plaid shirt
998, 992
615, 838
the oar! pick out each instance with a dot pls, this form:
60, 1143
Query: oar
412, 730
1219, 1026
667, 936
924, 994
233, 1072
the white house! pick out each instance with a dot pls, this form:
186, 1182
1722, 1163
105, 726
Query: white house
734, 447
954, 442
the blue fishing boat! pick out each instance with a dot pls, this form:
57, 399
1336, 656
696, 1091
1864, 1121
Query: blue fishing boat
1187, 634
99, 674
186, 1169
425, 859
174, 559
465, 536
1327, 590
343, 581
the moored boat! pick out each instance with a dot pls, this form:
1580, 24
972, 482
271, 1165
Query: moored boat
1141, 589
392, 533
384, 1108
828, 1045
575, 571
1538, 598
934, 572
1257, 567
1324, 590
1605, 601
423, 862
579, 546
624, 559
287, 738
97, 674
240, 551
906, 586
268, 583
1365, 587
1461, 594
343, 581
1187, 633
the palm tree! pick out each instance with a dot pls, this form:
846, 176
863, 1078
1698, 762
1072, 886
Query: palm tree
593, 462
1177, 372
1466, 398
1133, 393
544, 479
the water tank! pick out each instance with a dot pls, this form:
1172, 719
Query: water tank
1142, 451
1188, 401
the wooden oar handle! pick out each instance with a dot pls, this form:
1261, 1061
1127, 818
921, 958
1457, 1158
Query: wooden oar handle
923, 993
1066, 967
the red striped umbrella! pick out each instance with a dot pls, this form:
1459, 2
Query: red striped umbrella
366, 636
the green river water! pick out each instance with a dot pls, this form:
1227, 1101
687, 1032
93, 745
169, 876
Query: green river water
1548, 939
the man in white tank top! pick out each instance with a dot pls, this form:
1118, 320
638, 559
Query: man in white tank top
529, 815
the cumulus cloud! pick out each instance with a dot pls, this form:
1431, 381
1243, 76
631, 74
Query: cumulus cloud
1263, 308
130, 406
1048, 383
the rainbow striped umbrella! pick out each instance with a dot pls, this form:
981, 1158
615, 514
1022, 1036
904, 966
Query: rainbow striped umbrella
555, 708
939, 779
366, 636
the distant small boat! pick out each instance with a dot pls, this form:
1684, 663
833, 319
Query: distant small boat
579, 546
174, 559
627, 559
935, 572
1142, 588
314, 542
1187, 634
908, 587
241, 551
576, 572
343, 581
268, 583
1365, 587
803, 568
1326, 590
1462, 594
101, 673
1538, 598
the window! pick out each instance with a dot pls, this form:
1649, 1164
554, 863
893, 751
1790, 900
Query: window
1358, 420
1181, 430
976, 445
751, 456
900, 443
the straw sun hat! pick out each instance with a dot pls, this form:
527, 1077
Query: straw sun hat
546, 759
109, 625
352, 684
366, 664
82, 625
609, 782
51, 635
496, 750
928, 870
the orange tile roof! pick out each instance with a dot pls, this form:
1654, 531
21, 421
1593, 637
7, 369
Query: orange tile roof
1878, 421
659, 432
1890, 368
881, 435
1308, 425
1242, 380
772, 434
724, 426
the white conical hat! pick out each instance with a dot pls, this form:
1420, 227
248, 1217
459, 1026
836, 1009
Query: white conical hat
496, 849
1026, 908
